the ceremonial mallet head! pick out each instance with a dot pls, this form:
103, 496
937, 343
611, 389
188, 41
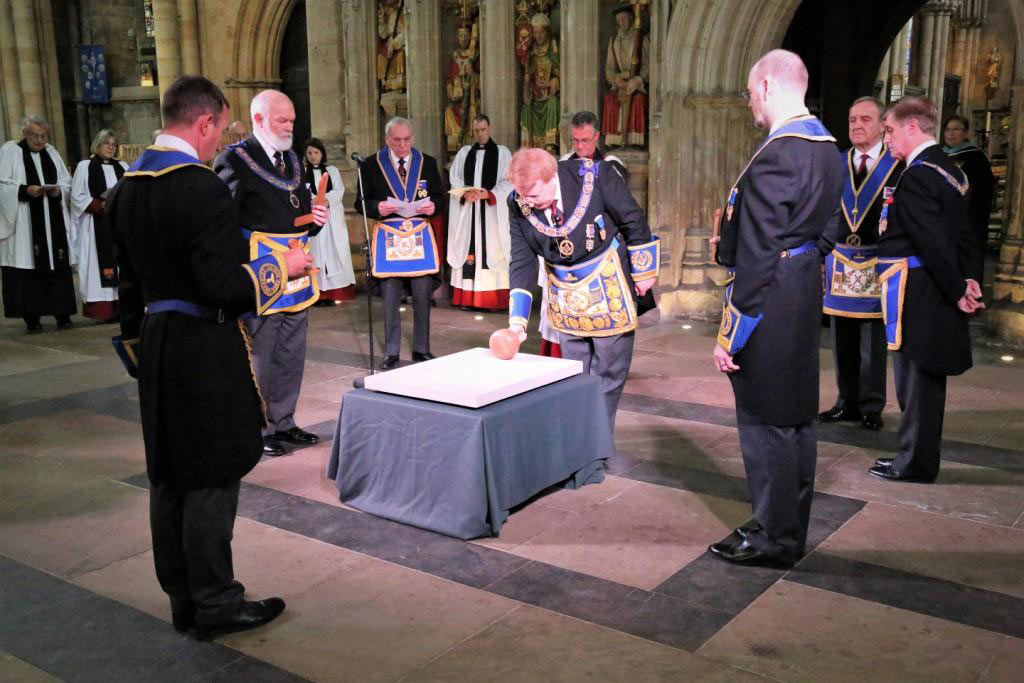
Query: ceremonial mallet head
504, 343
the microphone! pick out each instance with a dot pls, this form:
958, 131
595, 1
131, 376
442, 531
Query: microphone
356, 158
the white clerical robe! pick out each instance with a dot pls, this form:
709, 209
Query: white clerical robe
330, 247
15, 219
462, 229
88, 261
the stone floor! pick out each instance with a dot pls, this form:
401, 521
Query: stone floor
905, 582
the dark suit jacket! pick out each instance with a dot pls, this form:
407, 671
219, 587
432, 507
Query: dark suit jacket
974, 162
262, 207
928, 219
177, 237
377, 190
789, 195
623, 217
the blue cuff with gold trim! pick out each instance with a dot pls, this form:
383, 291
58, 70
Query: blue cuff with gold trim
269, 274
645, 259
519, 303
736, 327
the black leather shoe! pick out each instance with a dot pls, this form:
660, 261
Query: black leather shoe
418, 357
745, 553
840, 414
889, 472
389, 362
872, 421
883, 461
299, 437
250, 615
64, 323
751, 527
34, 328
183, 621
273, 447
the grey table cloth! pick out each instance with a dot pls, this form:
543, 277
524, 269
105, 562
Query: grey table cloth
458, 471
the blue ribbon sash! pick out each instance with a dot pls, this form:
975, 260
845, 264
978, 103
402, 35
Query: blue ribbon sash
857, 201
405, 191
155, 161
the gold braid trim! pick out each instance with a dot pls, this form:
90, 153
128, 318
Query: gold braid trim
252, 370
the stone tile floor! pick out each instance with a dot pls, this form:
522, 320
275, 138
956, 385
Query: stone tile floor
905, 582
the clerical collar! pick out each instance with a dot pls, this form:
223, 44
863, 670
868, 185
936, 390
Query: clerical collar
174, 142
920, 148
786, 115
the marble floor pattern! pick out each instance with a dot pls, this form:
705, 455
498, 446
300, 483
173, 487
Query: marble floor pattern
611, 582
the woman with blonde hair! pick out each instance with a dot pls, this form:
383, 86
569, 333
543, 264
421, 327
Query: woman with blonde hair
97, 269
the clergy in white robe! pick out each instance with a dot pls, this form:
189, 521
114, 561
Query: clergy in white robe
330, 248
478, 239
37, 247
97, 267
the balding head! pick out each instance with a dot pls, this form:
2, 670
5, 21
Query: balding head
776, 86
237, 132
273, 117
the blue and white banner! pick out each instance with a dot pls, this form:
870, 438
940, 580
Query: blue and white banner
92, 65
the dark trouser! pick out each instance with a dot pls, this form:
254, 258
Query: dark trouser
392, 289
780, 464
605, 357
279, 358
860, 350
922, 399
192, 532
30, 293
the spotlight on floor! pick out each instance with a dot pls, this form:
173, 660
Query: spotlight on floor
1006, 359
478, 317
687, 326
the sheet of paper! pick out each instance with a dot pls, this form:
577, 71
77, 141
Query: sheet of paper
408, 209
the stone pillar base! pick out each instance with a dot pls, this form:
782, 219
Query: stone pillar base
1004, 320
701, 304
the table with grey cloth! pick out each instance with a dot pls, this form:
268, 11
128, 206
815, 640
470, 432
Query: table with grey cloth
458, 471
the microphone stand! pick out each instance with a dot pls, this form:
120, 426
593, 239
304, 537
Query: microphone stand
367, 255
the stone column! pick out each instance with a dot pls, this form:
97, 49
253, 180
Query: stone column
936, 15
1005, 316
582, 65
923, 52
10, 75
359, 27
168, 46
424, 83
29, 59
188, 29
326, 75
898, 58
498, 70
53, 104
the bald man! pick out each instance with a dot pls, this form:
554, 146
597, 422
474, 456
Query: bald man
237, 132
266, 181
776, 213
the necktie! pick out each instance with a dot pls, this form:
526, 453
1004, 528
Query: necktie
401, 170
556, 216
863, 164
279, 165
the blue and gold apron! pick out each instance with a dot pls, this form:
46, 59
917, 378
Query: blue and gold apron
404, 247
591, 299
892, 274
296, 295
852, 289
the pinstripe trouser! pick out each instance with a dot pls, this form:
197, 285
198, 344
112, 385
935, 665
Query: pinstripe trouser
605, 357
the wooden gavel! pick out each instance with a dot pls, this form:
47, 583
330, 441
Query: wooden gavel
319, 200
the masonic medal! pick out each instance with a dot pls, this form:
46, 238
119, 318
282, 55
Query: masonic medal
590, 237
732, 202
566, 247
853, 239
293, 199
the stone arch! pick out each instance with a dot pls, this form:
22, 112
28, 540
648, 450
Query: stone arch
255, 54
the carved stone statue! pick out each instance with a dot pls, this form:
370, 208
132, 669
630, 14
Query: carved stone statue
539, 119
462, 86
626, 70
995, 61
391, 53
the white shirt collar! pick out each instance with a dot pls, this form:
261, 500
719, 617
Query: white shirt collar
786, 115
174, 142
873, 153
264, 143
920, 148
394, 159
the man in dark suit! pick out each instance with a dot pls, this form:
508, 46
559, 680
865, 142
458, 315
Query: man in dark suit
405, 247
185, 278
851, 288
580, 218
265, 178
929, 263
779, 209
